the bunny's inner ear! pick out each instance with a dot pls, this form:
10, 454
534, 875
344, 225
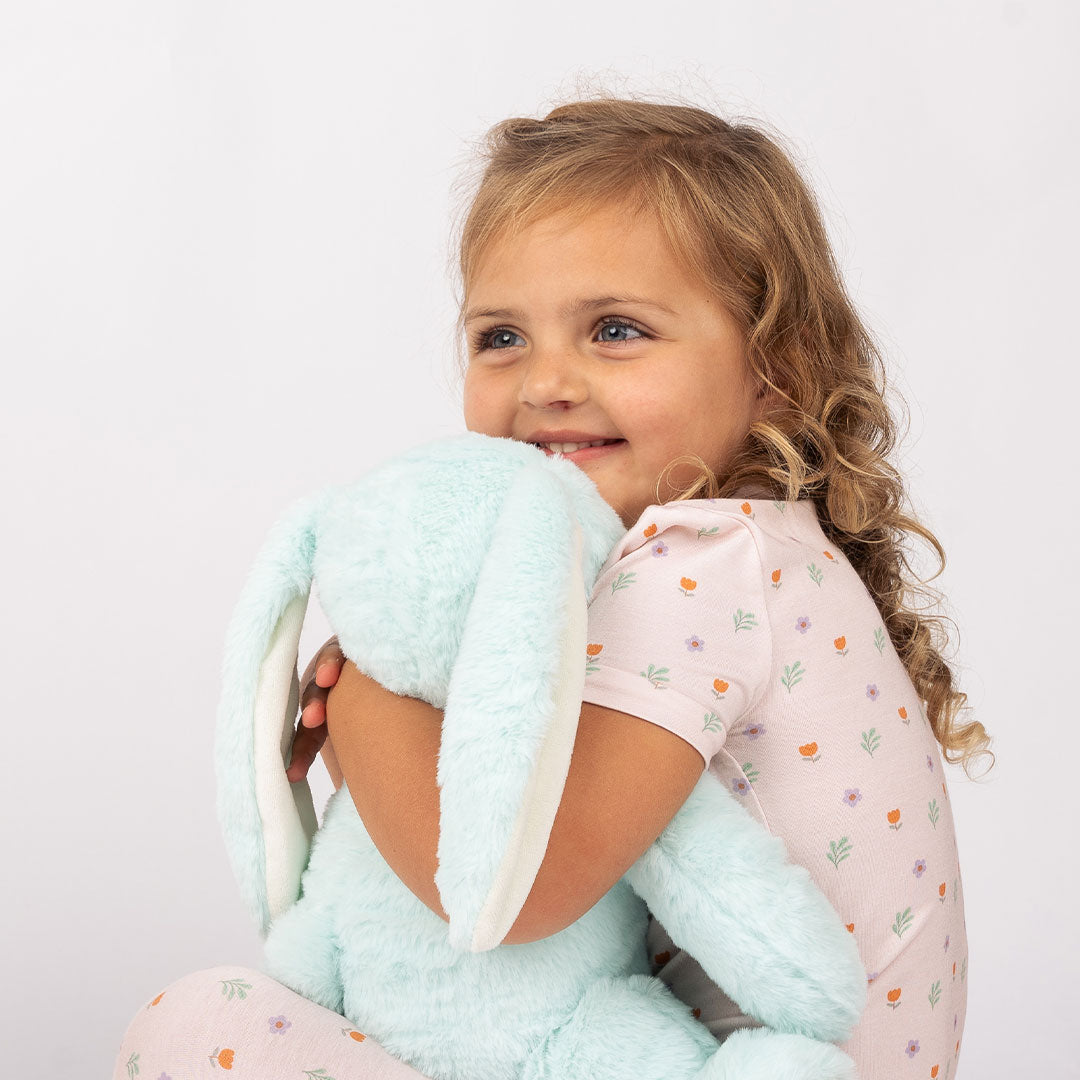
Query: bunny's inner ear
286, 810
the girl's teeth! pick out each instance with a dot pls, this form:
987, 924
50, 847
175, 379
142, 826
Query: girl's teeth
570, 447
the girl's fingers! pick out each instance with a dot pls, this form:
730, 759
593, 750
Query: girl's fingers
314, 712
305, 748
321, 674
328, 663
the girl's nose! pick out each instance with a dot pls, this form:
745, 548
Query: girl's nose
552, 377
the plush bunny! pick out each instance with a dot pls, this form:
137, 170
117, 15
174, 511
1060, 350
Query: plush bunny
459, 573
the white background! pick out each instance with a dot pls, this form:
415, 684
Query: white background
223, 282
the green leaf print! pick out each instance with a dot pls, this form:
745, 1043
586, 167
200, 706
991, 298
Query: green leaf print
132, 1066
317, 1074
816, 576
903, 922
231, 988
935, 994
781, 506
793, 674
963, 969
656, 676
871, 741
744, 620
623, 581
932, 812
712, 722
708, 532
879, 640
750, 772
838, 851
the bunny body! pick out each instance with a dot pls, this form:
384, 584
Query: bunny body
459, 573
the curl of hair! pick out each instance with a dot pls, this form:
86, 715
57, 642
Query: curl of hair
741, 218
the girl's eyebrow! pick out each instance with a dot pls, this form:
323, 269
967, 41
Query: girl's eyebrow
575, 307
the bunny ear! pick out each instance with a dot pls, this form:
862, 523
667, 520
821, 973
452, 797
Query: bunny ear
512, 710
268, 822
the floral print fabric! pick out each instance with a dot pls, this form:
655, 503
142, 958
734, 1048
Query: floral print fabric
232, 1021
737, 625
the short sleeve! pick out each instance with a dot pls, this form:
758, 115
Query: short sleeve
678, 633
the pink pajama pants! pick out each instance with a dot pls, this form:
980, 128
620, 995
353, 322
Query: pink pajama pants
235, 1022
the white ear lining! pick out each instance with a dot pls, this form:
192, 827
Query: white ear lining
543, 792
286, 810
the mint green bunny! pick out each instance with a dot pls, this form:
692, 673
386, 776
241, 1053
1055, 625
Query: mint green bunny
459, 573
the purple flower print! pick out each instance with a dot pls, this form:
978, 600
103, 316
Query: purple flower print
278, 1024
802, 624
946, 942
165, 1076
694, 644
912, 1048
754, 731
929, 763
919, 868
659, 549
872, 691
740, 785
872, 975
852, 796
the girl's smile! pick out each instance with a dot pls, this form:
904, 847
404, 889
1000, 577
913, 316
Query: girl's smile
592, 331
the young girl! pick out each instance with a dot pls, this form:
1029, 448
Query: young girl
649, 291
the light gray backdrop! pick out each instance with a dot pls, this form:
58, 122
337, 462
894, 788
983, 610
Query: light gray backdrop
223, 248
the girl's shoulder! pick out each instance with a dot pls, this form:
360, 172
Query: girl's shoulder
796, 520
707, 528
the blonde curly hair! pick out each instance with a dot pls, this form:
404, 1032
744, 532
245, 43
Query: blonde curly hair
737, 211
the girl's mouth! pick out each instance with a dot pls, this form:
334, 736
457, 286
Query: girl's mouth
583, 453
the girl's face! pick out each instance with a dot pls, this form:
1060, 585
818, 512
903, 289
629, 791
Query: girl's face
593, 331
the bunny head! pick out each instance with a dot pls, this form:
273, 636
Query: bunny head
458, 573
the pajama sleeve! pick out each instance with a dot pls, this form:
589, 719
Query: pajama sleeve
678, 631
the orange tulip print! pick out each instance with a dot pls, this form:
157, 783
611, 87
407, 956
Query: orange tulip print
224, 1058
688, 585
809, 751
840, 645
933, 1073
719, 687
892, 998
650, 531
591, 653
355, 1036
747, 509
941, 892
829, 555
850, 927
156, 1000
902, 712
894, 819
776, 579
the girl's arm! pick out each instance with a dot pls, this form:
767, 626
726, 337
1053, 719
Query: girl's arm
626, 781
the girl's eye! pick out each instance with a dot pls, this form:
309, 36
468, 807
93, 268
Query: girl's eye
500, 336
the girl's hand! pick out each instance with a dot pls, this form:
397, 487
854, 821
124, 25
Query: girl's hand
321, 674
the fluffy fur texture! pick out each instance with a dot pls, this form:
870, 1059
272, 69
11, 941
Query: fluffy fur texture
452, 574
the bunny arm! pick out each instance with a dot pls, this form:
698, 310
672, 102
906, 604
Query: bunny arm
724, 890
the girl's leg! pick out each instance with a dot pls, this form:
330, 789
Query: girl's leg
247, 1025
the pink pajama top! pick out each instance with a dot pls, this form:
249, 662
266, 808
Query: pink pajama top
739, 627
